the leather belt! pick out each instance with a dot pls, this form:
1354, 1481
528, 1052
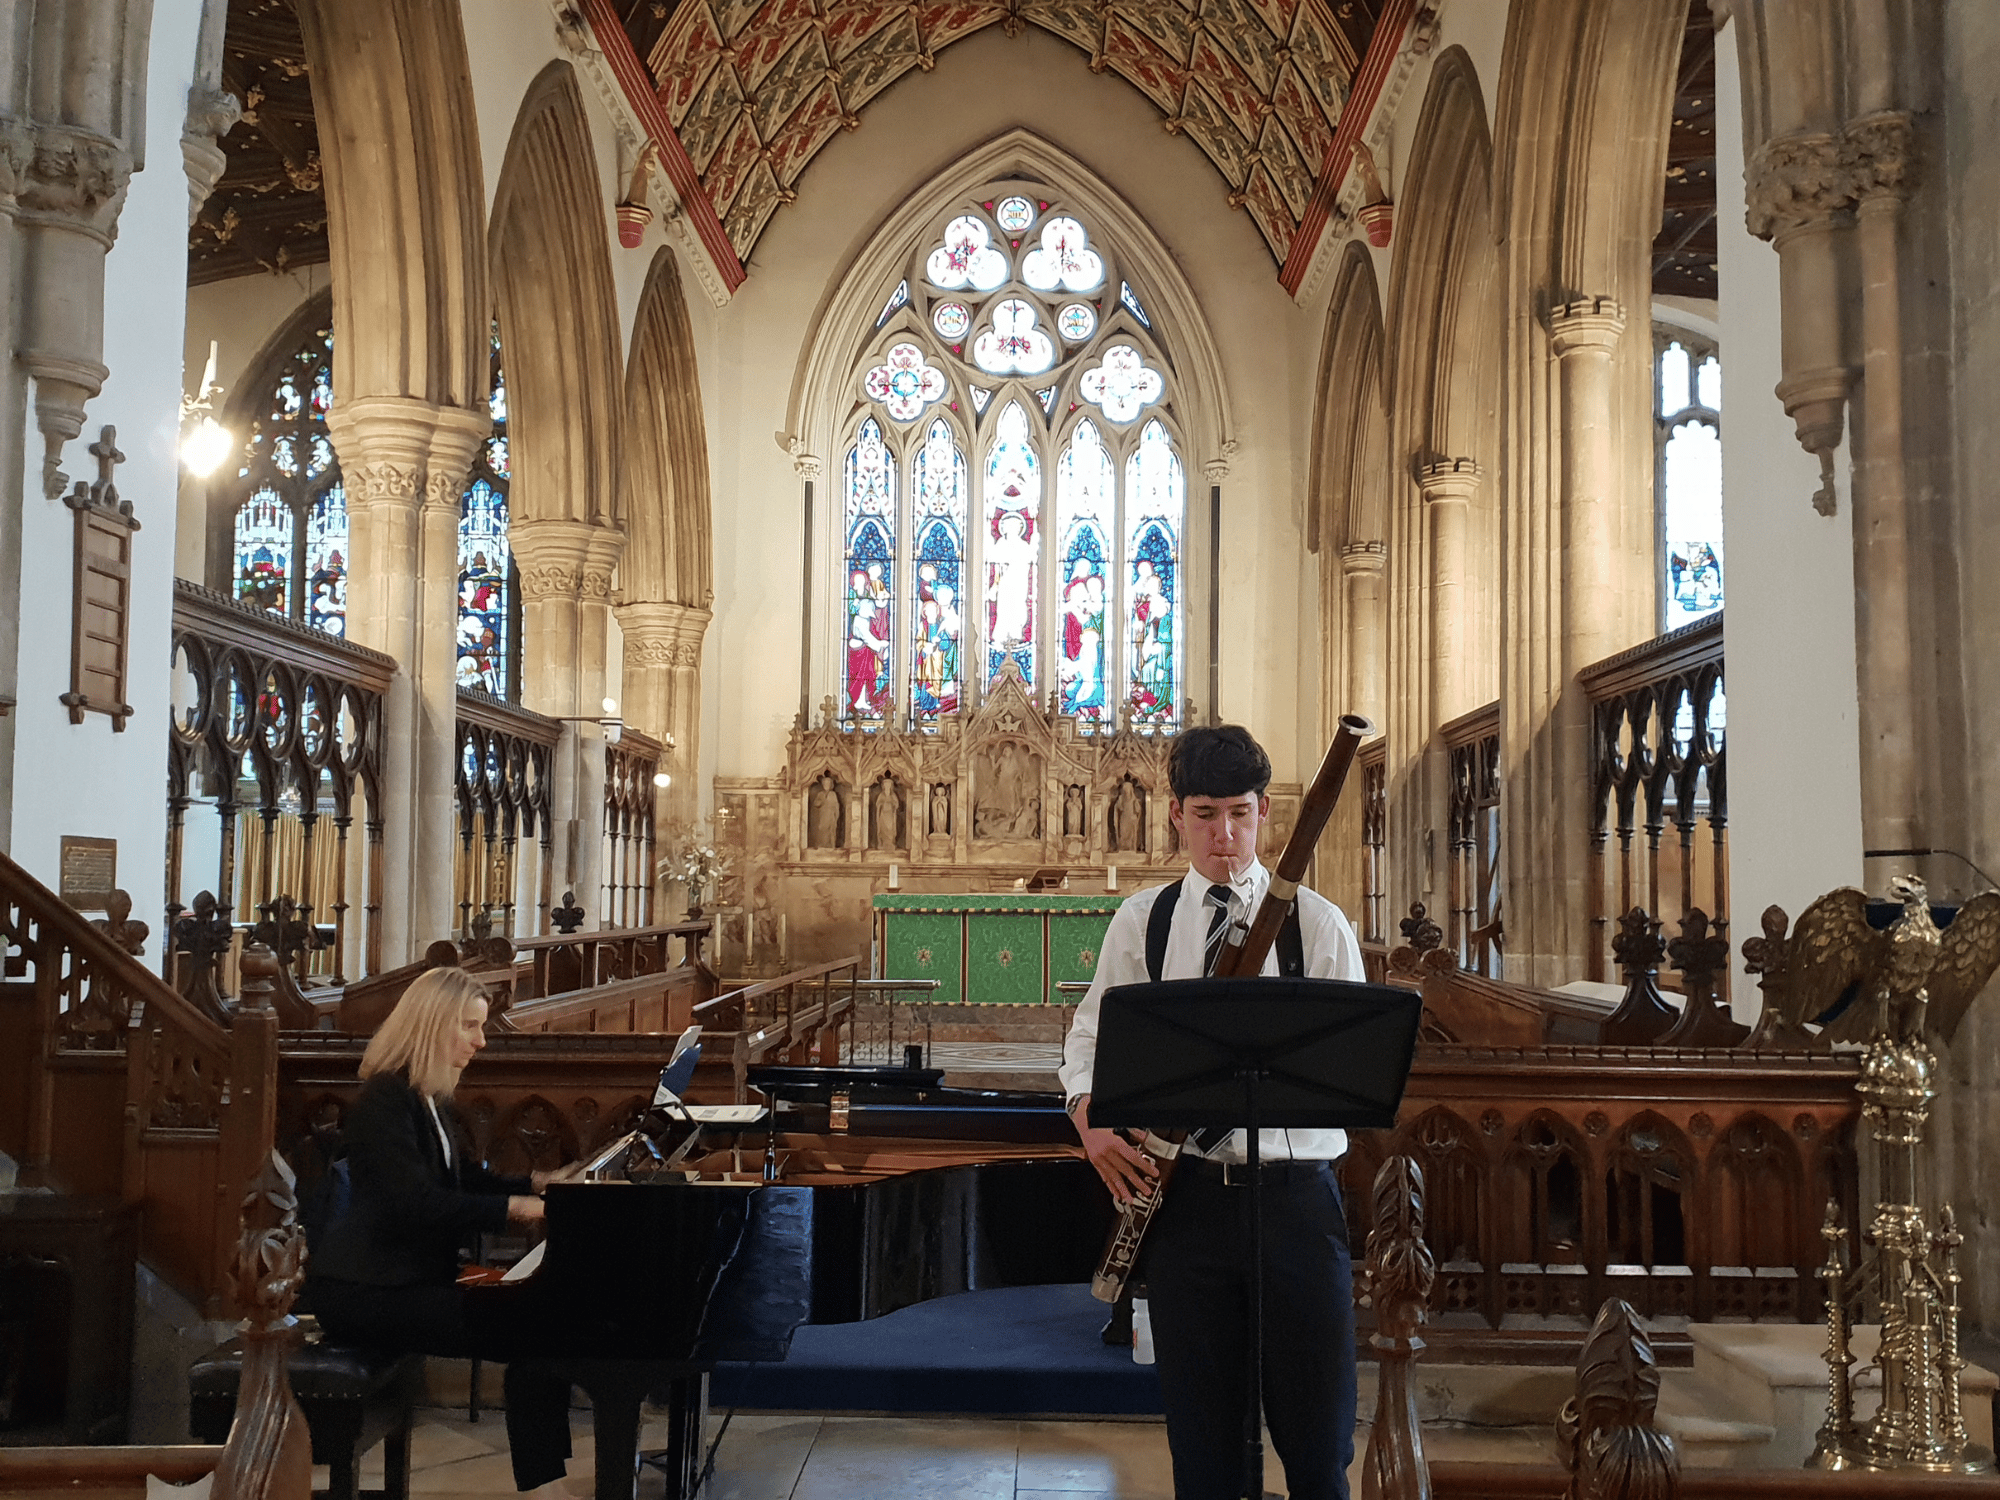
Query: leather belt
1237, 1173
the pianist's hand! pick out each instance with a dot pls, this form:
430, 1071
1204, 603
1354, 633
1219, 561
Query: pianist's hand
571, 1173
1125, 1169
524, 1210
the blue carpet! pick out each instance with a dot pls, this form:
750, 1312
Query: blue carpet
1008, 1351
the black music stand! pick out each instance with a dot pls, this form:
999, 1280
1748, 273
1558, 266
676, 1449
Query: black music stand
1253, 1053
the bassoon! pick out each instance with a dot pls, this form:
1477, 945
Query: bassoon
1243, 952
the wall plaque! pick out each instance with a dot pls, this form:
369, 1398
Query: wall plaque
89, 871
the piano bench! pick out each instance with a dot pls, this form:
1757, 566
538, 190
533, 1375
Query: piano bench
352, 1399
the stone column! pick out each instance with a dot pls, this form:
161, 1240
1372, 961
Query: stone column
663, 699
1589, 624
404, 464
1361, 566
1448, 486
566, 593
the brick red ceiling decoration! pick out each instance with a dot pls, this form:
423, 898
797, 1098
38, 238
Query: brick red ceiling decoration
754, 88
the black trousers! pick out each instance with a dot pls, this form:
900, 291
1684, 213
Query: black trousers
1197, 1274
432, 1320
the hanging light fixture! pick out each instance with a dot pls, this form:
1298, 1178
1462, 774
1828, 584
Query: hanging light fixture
205, 442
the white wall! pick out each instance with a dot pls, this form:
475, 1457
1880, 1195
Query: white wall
1794, 745
85, 779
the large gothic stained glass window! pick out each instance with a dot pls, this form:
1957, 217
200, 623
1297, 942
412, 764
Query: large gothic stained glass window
1014, 495
486, 591
290, 553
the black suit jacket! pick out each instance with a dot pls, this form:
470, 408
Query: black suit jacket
409, 1212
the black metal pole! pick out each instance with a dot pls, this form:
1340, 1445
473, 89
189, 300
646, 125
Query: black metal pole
1253, 1417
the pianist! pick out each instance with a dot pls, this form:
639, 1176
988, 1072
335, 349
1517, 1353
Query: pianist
1194, 1261
384, 1274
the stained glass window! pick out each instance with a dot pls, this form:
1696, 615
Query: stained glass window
488, 581
1013, 508
1155, 509
937, 615
1026, 360
870, 571
1086, 521
294, 507
1688, 480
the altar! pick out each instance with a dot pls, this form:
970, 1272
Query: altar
999, 947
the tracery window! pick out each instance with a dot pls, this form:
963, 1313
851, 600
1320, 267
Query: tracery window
291, 530
1014, 430
291, 535
1687, 429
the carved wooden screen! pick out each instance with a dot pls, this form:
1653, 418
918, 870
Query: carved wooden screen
1374, 841
629, 768
275, 728
503, 789
1472, 744
1659, 759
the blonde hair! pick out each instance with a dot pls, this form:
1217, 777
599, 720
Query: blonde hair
415, 1038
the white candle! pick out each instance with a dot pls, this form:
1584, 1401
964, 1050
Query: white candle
895, 877
1111, 877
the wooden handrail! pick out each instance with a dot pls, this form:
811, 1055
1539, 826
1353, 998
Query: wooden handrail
75, 932
527, 1015
696, 927
90, 1470
770, 986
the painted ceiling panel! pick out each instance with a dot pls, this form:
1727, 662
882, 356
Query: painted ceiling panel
754, 88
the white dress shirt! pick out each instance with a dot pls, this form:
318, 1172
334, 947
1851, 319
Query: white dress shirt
1331, 952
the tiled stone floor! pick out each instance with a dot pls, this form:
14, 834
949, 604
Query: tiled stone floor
805, 1456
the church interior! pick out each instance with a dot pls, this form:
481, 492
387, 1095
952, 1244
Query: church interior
718, 512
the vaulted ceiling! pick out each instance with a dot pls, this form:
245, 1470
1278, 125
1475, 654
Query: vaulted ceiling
1684, 252
754, 88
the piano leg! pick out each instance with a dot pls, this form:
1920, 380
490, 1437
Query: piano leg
617, 1390
687, 1416
616, 1428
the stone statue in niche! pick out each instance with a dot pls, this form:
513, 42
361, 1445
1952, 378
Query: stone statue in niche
823, 813
1073, 811
940, 809
1128, 819
887, 832
1007, 805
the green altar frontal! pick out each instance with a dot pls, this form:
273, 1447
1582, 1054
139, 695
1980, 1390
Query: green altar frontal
1004, 947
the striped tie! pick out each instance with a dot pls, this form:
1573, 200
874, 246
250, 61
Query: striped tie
1218, 926
1217, 898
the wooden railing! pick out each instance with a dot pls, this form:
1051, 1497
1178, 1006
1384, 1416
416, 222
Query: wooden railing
1658, 757
564, 961
292, 717
662, 1001
795, 1018
112, 1082
504, 784
1689, 1183
1472, 748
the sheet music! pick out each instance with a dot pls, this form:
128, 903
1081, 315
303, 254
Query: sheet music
527, 1265
728, 1114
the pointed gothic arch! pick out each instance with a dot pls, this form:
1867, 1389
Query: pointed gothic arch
558, 310
663, 480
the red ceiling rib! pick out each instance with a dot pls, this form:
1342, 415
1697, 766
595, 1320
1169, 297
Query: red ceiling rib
1369, 80
638, 86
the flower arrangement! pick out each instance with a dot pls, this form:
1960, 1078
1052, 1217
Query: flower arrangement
695, 862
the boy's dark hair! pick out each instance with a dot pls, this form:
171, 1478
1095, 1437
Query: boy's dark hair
1221, 760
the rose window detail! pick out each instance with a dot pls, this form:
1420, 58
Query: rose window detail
966, 258
1064, 260
1124, 385
905, 384
1013, 345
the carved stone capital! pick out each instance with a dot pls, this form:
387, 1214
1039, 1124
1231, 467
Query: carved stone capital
565, 559
1587, 325
805, 464
663, 635
1796, 181
1447, 481
1362, 558
74, 179
1217, 469
398, 451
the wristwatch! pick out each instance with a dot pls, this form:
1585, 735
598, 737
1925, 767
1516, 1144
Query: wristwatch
1070, 1104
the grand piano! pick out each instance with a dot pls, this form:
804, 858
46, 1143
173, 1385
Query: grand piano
867, 1191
